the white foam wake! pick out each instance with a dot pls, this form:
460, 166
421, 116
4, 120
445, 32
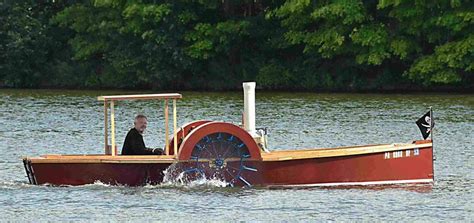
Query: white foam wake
174, 176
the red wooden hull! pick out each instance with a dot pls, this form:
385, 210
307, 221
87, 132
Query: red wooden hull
351, 170
87, 173
404, 166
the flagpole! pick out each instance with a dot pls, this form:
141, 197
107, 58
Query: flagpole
433, 157
431, 123
432, 130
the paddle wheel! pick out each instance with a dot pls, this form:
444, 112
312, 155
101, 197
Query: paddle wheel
220, 151
183, 132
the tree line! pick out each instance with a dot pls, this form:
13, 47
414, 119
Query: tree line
326, 45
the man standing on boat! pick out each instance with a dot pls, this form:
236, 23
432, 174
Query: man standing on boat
134, 144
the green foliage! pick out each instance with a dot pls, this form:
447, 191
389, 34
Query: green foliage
209, 40
141, 16
273, 76
373, 41
431, 40
23, 46
447, 64
345, 45
441, 33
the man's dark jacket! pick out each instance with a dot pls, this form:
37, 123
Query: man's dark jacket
134, 145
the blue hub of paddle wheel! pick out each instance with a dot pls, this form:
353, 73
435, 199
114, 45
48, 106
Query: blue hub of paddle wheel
219, 163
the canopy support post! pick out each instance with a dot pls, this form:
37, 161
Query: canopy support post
167, 146
175, 140
106, 130
112, 123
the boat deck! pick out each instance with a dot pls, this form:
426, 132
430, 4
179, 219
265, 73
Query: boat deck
276, 155
281, 155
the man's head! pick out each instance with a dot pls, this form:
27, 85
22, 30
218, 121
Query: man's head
140, 123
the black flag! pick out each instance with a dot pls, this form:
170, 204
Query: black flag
424, 123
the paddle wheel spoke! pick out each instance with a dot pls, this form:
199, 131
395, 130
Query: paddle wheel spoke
212, 145
245, 181
249, 168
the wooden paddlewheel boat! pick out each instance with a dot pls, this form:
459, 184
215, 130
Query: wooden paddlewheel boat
234, 154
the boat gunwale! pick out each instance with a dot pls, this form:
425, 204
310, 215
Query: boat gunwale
276, 155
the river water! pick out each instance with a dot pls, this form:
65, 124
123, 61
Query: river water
36, 122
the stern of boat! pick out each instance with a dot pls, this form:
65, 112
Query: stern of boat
29, 170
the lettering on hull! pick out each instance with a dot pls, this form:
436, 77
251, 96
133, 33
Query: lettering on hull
402, 154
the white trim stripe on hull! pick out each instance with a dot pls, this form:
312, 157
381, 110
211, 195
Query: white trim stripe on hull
430, 180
